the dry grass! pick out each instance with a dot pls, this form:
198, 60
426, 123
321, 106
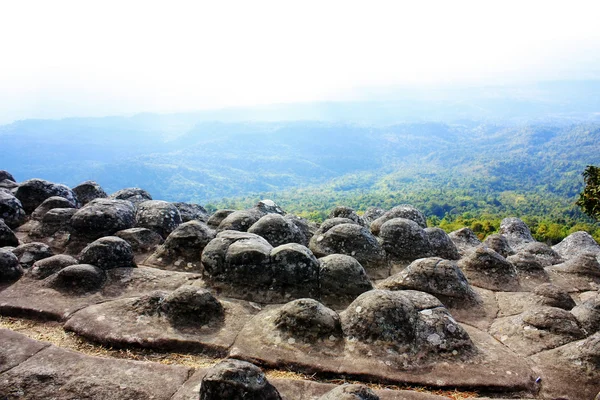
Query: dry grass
52, 332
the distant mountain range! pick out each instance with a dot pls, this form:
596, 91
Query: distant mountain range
536, 138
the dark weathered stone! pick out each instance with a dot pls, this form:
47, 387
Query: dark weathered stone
10, 269
33, 192
107, 253
55, 220
190, 306
465, 240
403, 211
341, 276
267, 206
585, 264
103, 217
6, 175
29, 253
49, 204
183, 248
307, 229
526, 262
517, 233
295, 270
134, 195
543, 253
7, 236
44, 268
350, 239
441, 245
236, 380
191, 211
372, 213
88, 191
499, 244
11, 210
159, 216
576, 244
346, 212
350, 392
439, 277
277, 230
140, 239
308, 320
404, 239
553, 296
215, 220
240, 220
79, 278
487, 269
588, 314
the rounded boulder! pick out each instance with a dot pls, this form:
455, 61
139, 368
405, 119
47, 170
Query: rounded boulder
107, 253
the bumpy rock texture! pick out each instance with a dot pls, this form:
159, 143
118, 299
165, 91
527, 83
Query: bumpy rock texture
107, 253
88, 191
11, 210
103, 217
33, 192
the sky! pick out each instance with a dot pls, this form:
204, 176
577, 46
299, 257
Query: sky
82, 58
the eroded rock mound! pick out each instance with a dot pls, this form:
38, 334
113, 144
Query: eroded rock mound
48, 266
7, 236
517, 233
29, 253
78, 279
439, 277
191, 211
403, 211
499, 244
350, 392
588, 314
182, 250
346, 212
53, 221
543, 253
576, 244
6, 175
240, 220
350, 239
550, 295
10, 269
465, 240
159, 216
441, 245
371, 214
33, 192
236, 380
103, 217
191, 306
88, 191
487, 269
342, 278
107, 253
584, 264
308, 320
134, 195
140, 239
50, 203
215, 220
409, 321
11, 210
404, 239
278, 230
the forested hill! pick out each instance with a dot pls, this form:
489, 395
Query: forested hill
445, 169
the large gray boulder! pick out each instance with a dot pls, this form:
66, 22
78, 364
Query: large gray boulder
182, 250
577, 243
240, 220
499, 244
7, 236
49, 204
53, 221
342, 278
346, 212
190, 306
516, 232
236, 380
350, 392
29, 253
307, 320
78, 279
48, 266
107, 253
33, 192
441, 245
215, 220
6, 175
588, 314
465, 240
141, 239
278, 230
134, 195
350, 239
88, 191
157, 215
103, 217
404, 239
11, 210
191, 211
403, 211
10, 269
489, 270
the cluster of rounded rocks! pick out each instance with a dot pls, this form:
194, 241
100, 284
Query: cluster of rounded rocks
390, 274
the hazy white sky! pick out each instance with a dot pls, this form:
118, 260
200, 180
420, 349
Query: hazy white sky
84, 58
